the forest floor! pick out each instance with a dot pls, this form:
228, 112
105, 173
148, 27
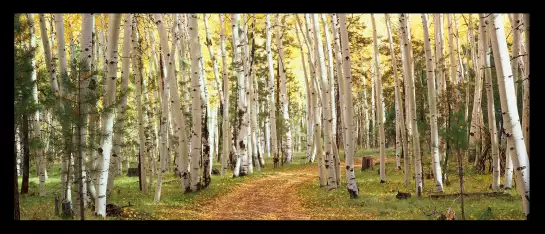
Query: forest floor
292, 192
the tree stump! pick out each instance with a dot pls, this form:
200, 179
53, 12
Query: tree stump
366, 163
132, 172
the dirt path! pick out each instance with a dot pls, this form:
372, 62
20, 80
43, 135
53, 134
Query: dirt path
272, 197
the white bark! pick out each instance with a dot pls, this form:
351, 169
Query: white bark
108, 118
399, 105
226, 127
441, 80
526, 83
310, 116
120, 121
380, 118
36, 134
436, 164
196, 130
284, 96
349, 119
484, 56
242, 114
409, 88
326, 103
272, 105
510, 114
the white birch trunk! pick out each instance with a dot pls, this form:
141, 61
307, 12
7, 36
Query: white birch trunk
120, 121
326, 103
510, 115
284, 96
399, 106
380, 118
108, 118
526, 85
349, 119
242, 114
436, 164
484, 55
272, 105
441, 80
226, 132
36, 133
196, 130
409, 87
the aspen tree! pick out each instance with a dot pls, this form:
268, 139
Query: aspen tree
433, 108
349, 151
510, 114
272, 105
196, 130
284, 95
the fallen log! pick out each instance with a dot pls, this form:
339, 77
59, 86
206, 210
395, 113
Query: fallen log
492, 194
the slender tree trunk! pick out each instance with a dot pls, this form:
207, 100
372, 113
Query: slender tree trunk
378, 83
349, 119
16, 210
38, 151
326, 103
142, 117
485, 70
272, 105
196, 130
510, 115
120, 121
433, 108
441, 80
284, 95
400, 119
108, 118
225, 124
526, 83
413, 127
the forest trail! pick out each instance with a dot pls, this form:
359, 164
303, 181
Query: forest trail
273, 196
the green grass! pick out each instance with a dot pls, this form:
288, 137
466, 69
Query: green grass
379, 201
126, 189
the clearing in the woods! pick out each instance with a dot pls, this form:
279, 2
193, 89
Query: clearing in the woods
292, 192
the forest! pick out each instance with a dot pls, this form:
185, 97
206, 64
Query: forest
256, 116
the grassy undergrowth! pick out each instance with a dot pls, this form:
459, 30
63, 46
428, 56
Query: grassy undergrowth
126, 189
378, 200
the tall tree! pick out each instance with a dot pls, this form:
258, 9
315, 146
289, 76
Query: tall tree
399, 104
326, 103
226, 128
410, 90
108, 118
510, 114
120, 121
272, 105
433, 108
284, 94
196, 130
349, 115
380, 118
